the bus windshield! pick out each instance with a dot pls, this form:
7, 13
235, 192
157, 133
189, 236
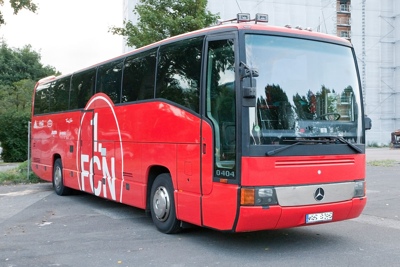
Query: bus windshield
305, 89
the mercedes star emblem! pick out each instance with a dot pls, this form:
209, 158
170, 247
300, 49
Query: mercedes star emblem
319, 194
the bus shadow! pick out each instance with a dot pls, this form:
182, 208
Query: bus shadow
273, 241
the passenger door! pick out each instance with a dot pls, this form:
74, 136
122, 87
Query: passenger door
218, 133
219, 117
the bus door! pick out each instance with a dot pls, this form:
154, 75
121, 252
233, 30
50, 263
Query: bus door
219, 132
86, 150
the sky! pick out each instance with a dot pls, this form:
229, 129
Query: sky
69, 34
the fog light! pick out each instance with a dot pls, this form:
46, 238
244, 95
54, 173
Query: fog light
359, 189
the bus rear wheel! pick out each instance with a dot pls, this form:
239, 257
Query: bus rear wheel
162, 205
58, 179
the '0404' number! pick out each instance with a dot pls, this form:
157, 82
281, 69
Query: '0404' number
225, 173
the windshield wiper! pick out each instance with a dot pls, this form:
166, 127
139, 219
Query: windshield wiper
277, 150
320, 140
298, 142
341, 139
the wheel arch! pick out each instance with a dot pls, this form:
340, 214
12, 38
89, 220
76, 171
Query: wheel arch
55, 157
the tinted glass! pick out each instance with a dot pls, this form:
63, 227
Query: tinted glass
59, 94
139, 76
178, 73
82, 88
42, 99
109, 79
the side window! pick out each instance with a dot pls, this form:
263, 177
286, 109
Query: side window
82, 88
42, 99
109, 78
60, 94
220, 104
139, 74
178, 72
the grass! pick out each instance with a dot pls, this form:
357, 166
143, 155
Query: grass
383, 163
18, 175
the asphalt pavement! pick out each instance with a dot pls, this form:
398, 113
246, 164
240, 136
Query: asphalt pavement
384, 153
40, 228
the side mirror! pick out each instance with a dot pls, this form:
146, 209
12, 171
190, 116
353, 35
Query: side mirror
367, 123
249, 92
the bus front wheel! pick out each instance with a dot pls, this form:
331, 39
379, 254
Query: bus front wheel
162, 205
58, 179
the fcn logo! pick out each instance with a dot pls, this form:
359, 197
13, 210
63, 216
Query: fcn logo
100, 152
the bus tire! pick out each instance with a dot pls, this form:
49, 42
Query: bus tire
58, 179
162, 205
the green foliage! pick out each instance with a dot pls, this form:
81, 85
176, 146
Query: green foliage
17, 97
21, 63
160, 19
19, 71
17, 6
18, 175
14, 136
383, 163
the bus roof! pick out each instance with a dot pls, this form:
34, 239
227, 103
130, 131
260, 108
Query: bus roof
233, 26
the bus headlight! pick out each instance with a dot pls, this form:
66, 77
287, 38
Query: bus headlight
359, 189
263, 196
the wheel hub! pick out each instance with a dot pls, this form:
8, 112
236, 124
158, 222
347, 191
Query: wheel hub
161, 204
57, 177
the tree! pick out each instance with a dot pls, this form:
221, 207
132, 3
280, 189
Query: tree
17, 98
21, 63
160, 19
13, 136
17, 6
20, 69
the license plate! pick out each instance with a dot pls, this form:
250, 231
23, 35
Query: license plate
319, 217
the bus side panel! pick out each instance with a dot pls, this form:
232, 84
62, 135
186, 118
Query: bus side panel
55, 134
66, 140
169, 137
134, 194
36, 153
42, 144
158, 122
135, 183
220, 207
188, 183
44, 172
159, 154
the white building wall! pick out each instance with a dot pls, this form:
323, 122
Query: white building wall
317, 14
128, 15
396, 14
375, 34
381, 77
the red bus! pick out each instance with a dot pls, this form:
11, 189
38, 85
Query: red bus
237, 127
